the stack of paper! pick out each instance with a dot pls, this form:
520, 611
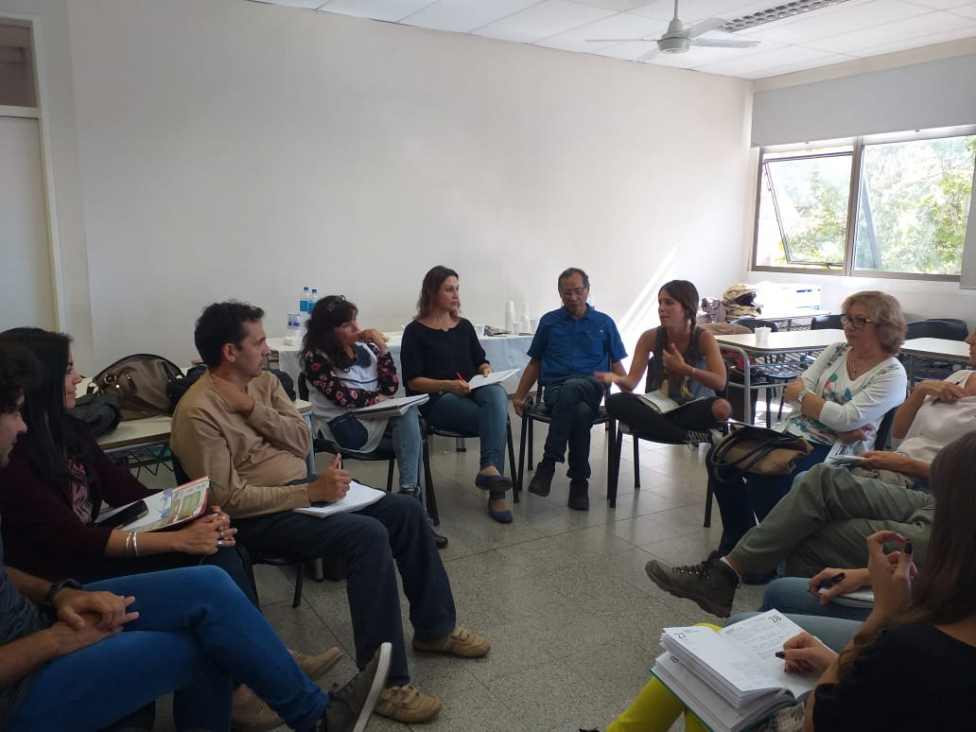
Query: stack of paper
390, 407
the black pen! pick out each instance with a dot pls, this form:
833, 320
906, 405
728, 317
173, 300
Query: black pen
827, 584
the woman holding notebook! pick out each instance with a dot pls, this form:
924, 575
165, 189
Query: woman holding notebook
686, 371
348, 368
440, 354
58, 477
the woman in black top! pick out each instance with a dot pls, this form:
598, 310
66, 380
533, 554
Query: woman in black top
439, 355
912, 665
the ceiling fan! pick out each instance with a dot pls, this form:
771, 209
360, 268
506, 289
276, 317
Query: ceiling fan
678, 39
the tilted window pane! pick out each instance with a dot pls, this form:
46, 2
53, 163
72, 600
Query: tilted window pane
803, 212
913, 205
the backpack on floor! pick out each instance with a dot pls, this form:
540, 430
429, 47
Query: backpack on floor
140, 383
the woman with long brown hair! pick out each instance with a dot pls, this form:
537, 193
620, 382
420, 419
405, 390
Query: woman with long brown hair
912, 665
440, 354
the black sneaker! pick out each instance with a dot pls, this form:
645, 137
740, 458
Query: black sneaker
711, 583
542, 480
350, 707
579, 499
440, 541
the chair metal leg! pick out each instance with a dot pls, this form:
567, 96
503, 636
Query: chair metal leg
611, 453
708, 506
531, 438
299, 580
636, 462
429, 487
389, 477
511, 457
614, 475
521, 462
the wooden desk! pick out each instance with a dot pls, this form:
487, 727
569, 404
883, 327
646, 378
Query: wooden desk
793, 341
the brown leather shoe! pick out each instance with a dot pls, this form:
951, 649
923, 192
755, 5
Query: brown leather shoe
315, 667
407, 704
461, 642
253, 715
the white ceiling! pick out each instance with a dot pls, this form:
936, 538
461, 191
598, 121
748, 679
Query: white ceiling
855, 29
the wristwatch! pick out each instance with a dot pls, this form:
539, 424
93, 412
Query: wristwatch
48, 603
803, 394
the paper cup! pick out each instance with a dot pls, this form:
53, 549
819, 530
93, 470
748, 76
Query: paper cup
762, 335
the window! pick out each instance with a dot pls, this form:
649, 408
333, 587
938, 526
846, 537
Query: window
889, 207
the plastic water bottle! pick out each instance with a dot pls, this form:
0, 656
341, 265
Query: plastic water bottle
295, 324
315, 299
303, 304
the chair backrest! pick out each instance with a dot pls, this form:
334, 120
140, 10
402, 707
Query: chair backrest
826, 322
753, 323
302, 387
950, 329
884, 429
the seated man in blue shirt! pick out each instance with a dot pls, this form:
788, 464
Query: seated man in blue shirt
569, 345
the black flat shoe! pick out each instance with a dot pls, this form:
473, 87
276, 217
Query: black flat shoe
440, 541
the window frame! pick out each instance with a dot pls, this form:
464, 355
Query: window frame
858, 145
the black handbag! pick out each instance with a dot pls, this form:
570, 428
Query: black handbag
100, 413
756, 450
348, 432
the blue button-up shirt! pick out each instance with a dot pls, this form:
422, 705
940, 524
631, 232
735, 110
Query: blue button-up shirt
565, 346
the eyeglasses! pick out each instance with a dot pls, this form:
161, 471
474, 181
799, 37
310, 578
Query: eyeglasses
335, 301
855, 321
579, 292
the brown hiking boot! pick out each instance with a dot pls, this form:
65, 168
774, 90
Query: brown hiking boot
711, 583
315, 667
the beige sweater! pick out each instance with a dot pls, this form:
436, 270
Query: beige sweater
251, 459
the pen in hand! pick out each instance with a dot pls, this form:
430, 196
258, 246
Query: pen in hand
827, 584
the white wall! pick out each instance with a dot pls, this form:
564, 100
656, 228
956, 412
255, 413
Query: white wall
232, 149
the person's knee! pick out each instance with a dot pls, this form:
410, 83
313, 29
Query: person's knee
721, 410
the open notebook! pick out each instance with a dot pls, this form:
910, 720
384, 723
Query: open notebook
166, 508
731, 679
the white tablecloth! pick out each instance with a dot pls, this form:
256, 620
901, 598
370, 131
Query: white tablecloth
504, 352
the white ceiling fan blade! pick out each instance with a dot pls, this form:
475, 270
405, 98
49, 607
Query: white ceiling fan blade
706, 25
716, 43
620, 40
648, 56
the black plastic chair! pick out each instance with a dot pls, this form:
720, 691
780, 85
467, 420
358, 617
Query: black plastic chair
948, 328
826, 322
430, 430
534, 410
383, 453
624, 429
254, 557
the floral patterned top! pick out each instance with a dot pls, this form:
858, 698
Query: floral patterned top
353, 387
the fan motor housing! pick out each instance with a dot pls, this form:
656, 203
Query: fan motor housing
674, 45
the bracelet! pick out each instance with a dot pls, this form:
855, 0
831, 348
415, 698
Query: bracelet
128, 544
693, 371
48, 603
441, 387
135, 543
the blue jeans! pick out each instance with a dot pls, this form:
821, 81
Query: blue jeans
195, 628
483, 412
572, 404
375, 541
743, 501
792, 595
408, 446
835, 633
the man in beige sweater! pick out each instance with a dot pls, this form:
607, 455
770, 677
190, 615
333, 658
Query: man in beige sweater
237, 425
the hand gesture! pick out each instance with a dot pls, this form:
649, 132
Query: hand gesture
459, 387
371, 335
203, 536
884, 460
805, 653
485, 369
854, 579
605, 377
941, 391
891, 574
793, 390
69, 638
236, 399
331, 485
519, 405
673, 361
106, 607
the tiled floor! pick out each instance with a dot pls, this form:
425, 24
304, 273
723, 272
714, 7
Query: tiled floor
573, 620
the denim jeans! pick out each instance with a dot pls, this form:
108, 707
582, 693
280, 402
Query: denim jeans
572, 403
375, 541
408, 446
195, 628
835, 633
483, 412
792, 595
